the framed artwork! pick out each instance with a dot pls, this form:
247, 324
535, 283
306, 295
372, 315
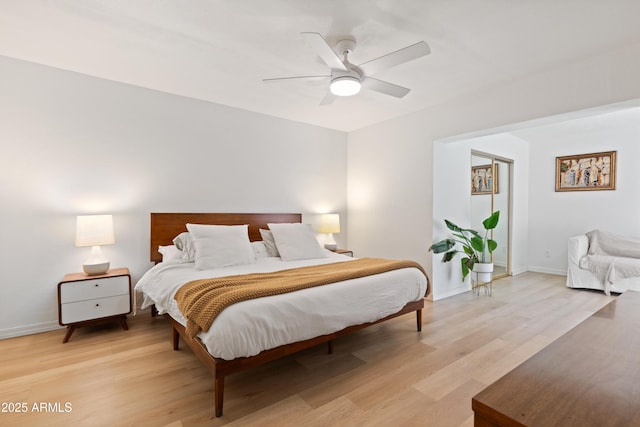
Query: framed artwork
482, 178
586, 172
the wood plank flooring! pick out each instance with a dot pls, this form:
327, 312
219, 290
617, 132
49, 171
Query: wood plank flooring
388, 374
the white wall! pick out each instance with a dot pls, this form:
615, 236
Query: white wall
389, 203
73, 144
556, 216
400, 187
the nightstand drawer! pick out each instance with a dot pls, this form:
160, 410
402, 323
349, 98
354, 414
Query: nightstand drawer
94, 288
94, 309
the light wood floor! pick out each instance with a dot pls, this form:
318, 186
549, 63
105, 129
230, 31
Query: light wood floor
385, 375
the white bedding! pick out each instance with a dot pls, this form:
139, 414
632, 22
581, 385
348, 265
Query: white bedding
249, 327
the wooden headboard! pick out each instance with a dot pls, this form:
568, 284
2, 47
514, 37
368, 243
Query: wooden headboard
166, 226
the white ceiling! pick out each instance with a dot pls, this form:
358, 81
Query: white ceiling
220, 50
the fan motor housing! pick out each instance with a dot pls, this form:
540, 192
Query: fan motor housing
353, 73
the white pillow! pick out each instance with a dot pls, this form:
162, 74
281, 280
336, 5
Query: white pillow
259, 249
296, 241
221, 245
184, 243
269, 242
170, 253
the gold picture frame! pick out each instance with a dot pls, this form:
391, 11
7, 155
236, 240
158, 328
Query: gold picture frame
586, 172
482, 178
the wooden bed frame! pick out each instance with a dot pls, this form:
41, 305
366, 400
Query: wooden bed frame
166, 226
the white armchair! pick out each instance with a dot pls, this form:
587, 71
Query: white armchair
579, 275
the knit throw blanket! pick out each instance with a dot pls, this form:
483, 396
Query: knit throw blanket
201, 301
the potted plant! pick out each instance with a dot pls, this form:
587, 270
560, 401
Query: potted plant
476, 248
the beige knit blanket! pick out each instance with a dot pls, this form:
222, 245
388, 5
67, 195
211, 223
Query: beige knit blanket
201, 301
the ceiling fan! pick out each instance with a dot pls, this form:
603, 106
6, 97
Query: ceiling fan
346, 79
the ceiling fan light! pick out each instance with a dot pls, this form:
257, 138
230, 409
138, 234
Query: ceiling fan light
345, 86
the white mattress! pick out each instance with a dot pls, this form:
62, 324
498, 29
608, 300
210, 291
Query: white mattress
249, 327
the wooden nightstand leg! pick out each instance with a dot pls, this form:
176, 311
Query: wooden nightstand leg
123, 320
70, 330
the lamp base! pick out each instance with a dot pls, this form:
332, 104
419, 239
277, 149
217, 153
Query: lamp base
96, 269
330, 242
96, 263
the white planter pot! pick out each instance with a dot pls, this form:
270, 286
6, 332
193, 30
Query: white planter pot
483, 272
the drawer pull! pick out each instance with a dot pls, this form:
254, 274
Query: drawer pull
96, 285
97, 305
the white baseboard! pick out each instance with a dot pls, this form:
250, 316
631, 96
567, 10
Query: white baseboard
29, 329
517, 271
451, 292
37, 328
547, 270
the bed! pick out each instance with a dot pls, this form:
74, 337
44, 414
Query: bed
256, 331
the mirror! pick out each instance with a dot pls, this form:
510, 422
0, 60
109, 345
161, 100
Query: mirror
490, 191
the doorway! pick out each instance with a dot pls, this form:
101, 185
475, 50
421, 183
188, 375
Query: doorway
491, 179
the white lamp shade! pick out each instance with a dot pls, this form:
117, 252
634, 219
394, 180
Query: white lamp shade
94, 230
329, 223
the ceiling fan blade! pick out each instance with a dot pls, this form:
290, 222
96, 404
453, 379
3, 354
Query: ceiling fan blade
324, 51
277, 79
328, 98
384, 87
398, 57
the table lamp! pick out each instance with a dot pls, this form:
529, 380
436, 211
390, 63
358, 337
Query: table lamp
94, 231
329, 224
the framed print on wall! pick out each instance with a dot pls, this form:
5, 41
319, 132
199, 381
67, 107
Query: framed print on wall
586, 172
482, 178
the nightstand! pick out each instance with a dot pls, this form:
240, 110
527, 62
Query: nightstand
84, 300
344, 252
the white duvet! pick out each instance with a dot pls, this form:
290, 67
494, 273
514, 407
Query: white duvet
249, 327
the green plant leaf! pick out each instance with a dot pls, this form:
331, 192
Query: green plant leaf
470, 262
451, 226
442, 246
448, 256
477, 243
492, 245
465, 269
467, 250
491, 222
